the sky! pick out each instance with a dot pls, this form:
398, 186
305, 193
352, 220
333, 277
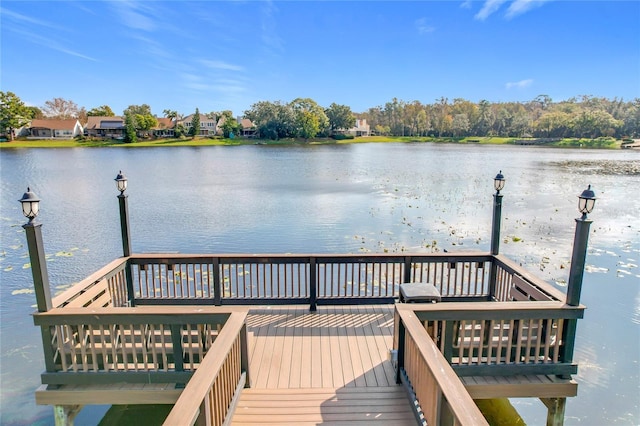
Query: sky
228, 55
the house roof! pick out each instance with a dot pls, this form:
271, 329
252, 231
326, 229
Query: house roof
69, 124
247, 124
203, 118
165, 123
95, 122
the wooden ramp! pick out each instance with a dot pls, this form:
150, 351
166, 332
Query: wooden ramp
353, 406
324, 367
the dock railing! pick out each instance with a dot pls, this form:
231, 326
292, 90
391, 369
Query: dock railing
510, 338
211, 393
176, 279
441, 397
146, 344
319, 279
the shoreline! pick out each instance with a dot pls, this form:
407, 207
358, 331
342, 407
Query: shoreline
600, 143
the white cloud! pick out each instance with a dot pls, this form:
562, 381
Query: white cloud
466, 4
52, 44
518, 7
488, 8
220, 65
519, 84
423, 27
18, 17
135, 15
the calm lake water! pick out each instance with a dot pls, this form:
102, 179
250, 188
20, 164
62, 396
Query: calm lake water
333, 199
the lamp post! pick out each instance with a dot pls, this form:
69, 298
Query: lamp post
498, 184
121, 184
30, 208
586, 202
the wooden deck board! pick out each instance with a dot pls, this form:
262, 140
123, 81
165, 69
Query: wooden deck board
379, 406
331, 348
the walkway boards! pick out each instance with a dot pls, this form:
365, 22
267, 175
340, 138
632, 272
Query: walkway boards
328, 367
337, 346
365, 406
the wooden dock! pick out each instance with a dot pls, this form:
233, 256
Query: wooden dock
305, 339
330, 366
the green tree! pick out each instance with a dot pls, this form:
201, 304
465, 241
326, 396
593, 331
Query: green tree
171, 114
308, 124
130, 128
101, 111
143, 109
301, 105
273, 120
13, 113
195, 124
146, 122
230, 125
35, 113
340, 117
460, 125
143, 120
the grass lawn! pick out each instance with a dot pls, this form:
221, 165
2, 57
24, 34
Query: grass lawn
47, 143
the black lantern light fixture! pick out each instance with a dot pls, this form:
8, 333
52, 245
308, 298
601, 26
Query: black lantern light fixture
30, 205
30, 208
121, 182
498, 182
586, 201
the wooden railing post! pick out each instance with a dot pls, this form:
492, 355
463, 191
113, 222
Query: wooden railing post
217, 282
176, 340
244, 355
407, 270
128, 276
401, 349
313, 285
493, 277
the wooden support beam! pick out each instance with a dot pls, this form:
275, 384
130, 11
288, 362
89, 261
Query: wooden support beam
555, 410
65, 414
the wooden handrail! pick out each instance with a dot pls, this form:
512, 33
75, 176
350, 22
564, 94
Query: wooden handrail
107, 270
432, 378
188, 407
492, 310
514, 268
506, 338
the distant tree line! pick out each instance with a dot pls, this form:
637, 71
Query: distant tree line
300, 118
579, 117
583, 117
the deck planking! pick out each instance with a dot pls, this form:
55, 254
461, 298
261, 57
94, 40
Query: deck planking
333, 347
325, 367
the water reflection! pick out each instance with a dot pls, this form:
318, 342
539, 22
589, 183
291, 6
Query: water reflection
324, 199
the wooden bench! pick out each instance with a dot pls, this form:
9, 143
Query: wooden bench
96, 296
523, 291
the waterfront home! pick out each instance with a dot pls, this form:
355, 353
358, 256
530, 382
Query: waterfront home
165, 128
249, 129
207, 124
55, 129
361, 128
105, 127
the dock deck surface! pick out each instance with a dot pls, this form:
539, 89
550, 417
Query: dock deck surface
329, 367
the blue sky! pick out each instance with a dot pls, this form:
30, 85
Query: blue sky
218, 55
